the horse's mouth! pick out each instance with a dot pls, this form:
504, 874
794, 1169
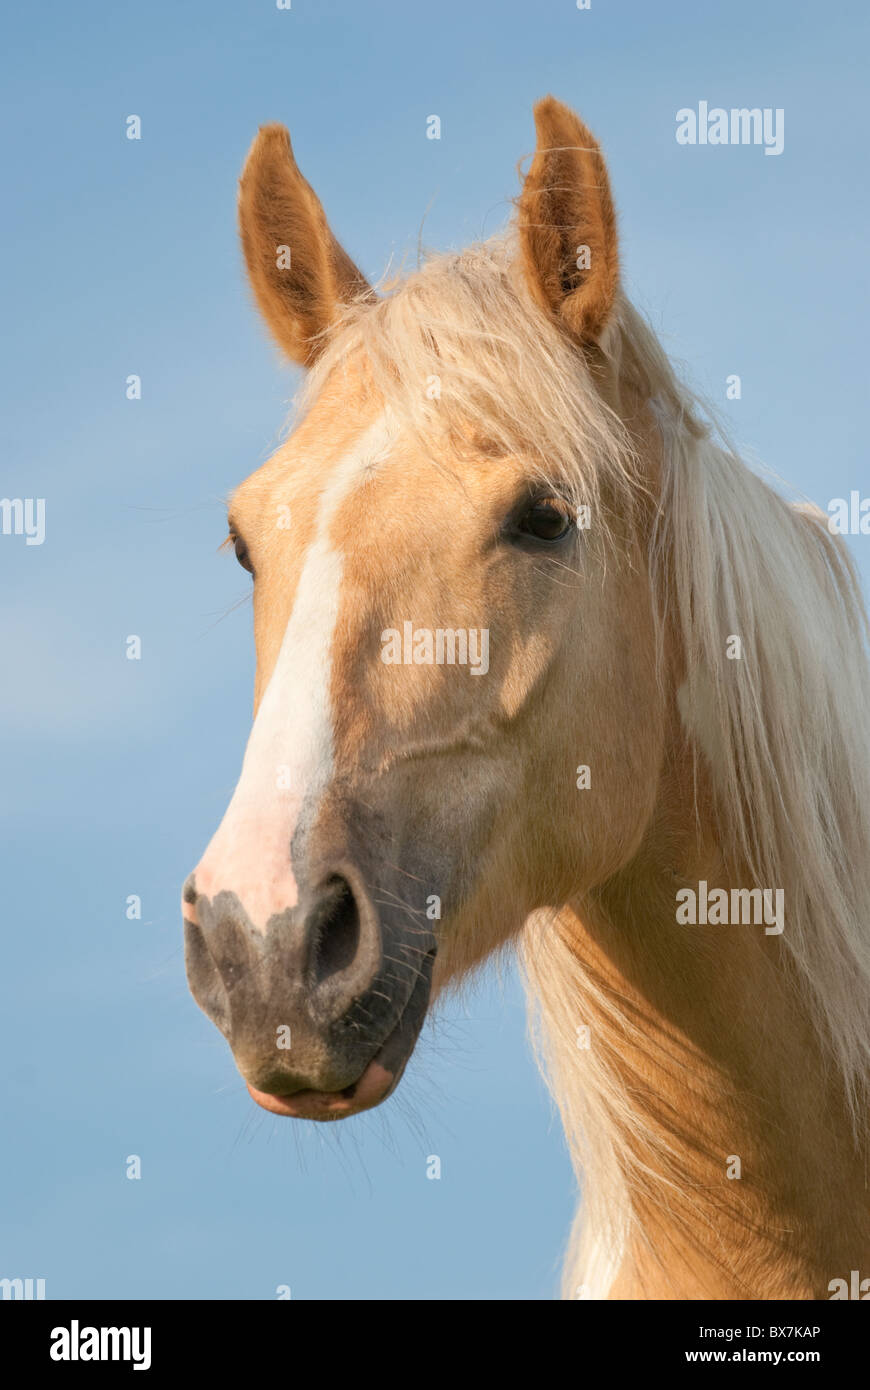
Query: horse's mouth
378, 1079
374, 1086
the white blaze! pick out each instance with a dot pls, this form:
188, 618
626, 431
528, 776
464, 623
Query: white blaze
289, 758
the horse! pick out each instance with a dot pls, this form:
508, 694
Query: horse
668, 734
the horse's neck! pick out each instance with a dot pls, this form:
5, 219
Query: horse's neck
720, 1073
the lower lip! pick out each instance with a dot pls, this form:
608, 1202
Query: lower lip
373, 1086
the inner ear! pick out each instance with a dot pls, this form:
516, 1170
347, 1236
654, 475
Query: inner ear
567, 224
300, 274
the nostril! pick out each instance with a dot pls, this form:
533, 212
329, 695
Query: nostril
334, 930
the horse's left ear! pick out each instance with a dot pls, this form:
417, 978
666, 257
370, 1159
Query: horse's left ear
567, 224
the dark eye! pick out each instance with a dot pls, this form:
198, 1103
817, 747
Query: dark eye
242, 555
546, 520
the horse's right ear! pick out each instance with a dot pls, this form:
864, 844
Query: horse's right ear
299, 273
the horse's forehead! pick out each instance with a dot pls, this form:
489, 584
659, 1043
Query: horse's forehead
350, 439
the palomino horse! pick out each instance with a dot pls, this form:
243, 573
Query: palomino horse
540, 660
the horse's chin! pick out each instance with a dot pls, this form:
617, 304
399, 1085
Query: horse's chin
376, 1081
375, 1084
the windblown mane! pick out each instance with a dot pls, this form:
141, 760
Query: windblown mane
461, 343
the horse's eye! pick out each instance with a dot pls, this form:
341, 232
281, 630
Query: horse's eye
242, 555
546, 520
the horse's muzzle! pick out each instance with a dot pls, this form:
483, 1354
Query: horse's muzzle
322, 1008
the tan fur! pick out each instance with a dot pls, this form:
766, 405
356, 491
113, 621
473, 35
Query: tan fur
706, 1042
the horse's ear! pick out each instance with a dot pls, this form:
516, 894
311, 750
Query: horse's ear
567, 224
298, 272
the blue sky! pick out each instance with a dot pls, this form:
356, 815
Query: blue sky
121, 257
